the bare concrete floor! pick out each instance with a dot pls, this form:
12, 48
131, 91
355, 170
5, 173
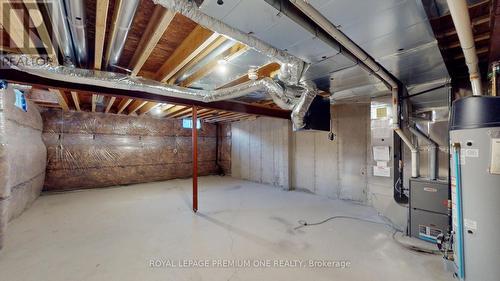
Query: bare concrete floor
114, 234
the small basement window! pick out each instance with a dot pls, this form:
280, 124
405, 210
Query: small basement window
187, 123
21, 100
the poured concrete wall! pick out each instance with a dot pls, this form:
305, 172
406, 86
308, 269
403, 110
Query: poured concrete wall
340, 169
224, 150
22, 158
92, 150
336, 169
260, 151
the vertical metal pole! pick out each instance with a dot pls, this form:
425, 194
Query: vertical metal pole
195, 159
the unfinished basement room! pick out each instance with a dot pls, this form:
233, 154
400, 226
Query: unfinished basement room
249, 140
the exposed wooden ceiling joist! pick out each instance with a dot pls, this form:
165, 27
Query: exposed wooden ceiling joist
176, 109
194, 44
157, 26
63, 101
148, 107
94, 102
263, 71
76, 100
100, 31
203, 54
111, 101
136, 105
123, 104
235, 51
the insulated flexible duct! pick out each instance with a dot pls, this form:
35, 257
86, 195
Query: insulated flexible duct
295, 98
292, 68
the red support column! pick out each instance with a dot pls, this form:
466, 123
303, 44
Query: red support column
195, 160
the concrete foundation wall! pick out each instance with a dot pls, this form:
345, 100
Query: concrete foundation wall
336, 169
340, 169
92, 150
224, 150
261, 150
22, 157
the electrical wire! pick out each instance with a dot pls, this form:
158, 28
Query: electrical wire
303, 223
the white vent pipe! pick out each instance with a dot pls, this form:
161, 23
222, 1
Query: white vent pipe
369, 63
433, 150
460, 14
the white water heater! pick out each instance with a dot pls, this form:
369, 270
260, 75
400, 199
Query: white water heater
475, 184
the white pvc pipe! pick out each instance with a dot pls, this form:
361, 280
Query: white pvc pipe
367, 61
460, 14
433, 150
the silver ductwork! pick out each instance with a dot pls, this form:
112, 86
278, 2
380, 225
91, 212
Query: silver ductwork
433, 151
295, 98
124, 15
57, 14
76, 17
292, 68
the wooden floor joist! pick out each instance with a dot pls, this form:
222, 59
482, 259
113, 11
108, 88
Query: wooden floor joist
123, 104
63, 101
233, 52
76, 100
157, 26
263, 71
194, 44
100, 31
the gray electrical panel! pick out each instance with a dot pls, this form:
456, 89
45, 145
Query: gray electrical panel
429, 211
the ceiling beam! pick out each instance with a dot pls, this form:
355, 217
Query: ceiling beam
101, 18
194, 44
136, 105
157, 26
123, 104
234, 52
110, 104
61, 97
203, 54
263, 71
21, 77
76, 100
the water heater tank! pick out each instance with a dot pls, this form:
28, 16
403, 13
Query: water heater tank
475, 136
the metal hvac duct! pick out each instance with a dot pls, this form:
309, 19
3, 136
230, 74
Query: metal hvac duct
433, 150
76, 16
61, 32
124, 15
292, 68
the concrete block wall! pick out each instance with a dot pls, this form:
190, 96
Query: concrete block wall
93, 150
22, 158
260, 151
